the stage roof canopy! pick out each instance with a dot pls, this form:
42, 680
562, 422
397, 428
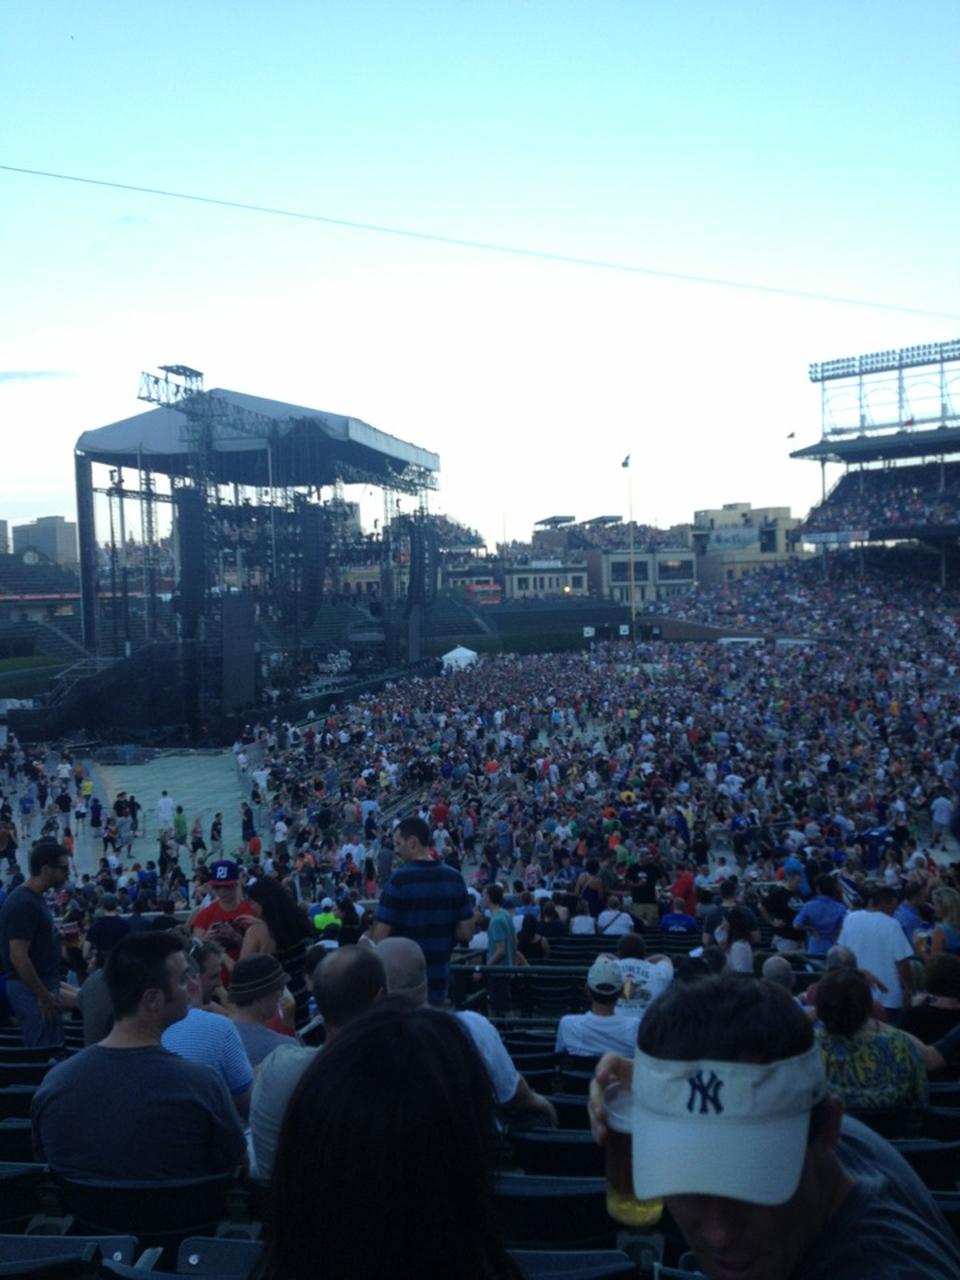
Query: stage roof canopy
254, 441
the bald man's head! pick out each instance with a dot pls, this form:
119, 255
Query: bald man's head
346, 983
406, 969
779, 970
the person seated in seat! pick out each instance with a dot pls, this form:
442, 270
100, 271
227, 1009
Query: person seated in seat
385, 1162
405, 967
938, 1011
677, 920
602, 1029
126, 1108
256, 986
212, 1040
346, 983
870, 1065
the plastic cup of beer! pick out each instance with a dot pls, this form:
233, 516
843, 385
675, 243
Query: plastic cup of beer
622, 1205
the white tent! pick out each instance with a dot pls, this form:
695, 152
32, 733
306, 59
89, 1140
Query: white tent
458, 658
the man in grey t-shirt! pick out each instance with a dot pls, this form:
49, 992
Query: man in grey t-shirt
345, 984
733, 1126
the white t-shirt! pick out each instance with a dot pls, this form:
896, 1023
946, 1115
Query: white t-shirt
583, 924
940, 810
589, 1034
878, 942
504, 1076
614, 923
643, 981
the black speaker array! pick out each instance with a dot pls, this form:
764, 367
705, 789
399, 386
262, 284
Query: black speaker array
191, 510
313, 561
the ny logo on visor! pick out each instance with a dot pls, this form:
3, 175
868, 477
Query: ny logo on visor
707, 1091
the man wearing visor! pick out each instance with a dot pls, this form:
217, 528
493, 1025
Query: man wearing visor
733, 1126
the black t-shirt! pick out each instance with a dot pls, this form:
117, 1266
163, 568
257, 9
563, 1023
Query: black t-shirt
716, 915
781, 904
26, 916
105, 933
645, 878
929, 1023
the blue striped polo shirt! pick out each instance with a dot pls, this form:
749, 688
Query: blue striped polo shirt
426, 901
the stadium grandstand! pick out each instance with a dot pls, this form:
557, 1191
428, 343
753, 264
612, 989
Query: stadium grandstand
892, 420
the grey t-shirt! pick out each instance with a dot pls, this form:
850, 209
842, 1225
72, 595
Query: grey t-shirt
888, 1228
139, 1114
259, 1041
273, 1088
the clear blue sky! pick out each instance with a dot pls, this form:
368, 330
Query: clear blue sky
810, 147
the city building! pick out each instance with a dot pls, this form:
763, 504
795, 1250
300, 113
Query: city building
54, 536
738, 538
657, 575
4, 538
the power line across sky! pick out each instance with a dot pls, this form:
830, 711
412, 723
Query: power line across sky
544, 255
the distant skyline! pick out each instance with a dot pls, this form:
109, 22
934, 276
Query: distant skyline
798, 148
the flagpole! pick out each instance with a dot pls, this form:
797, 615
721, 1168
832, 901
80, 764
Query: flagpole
633, 571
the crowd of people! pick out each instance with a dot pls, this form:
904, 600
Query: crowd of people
760, 804
890, 498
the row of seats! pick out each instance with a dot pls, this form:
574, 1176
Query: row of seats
217, 1259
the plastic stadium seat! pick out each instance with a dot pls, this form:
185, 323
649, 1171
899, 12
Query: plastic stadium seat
78, 1263
576, 1081
209, 1256
16, 1141
20, 1185
23, 1072
568, 1153
948, 1202
942, 1123
27, 1248
553, 1213
574, 1264
944, 1093
158, 1213
20, 1055
535, 1061
571, 1109
15, 1101
937, 1163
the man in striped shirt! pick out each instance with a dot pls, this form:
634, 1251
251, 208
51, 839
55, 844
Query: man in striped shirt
427, 901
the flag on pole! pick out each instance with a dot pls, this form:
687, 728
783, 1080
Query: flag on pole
626, 461
791, 435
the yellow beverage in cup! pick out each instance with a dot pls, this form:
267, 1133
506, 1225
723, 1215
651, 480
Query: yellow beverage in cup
622, 1205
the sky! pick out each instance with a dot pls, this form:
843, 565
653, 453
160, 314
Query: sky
804, 148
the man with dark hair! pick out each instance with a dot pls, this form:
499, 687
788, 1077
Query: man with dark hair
733, 1126
92, 1112
644, 978
717, 916
881, 949
822, 916
907, 915
501, 950
30, 950
346, 983
426, 901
